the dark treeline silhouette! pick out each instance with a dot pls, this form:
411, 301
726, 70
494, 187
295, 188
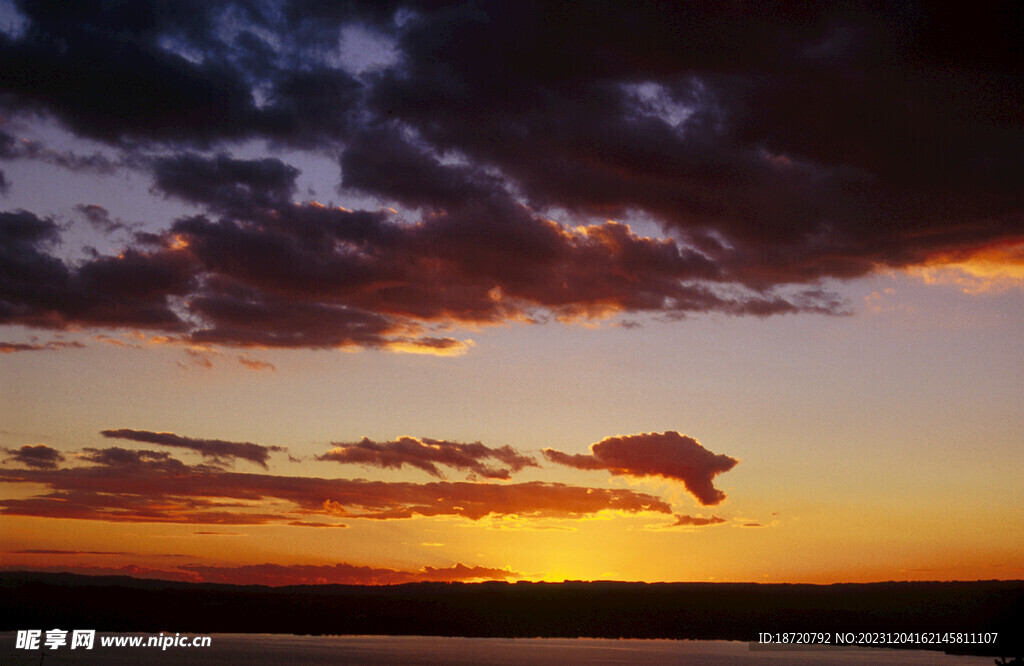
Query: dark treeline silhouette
706, 611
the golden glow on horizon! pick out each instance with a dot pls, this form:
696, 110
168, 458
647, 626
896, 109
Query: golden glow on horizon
857, 462
609, 545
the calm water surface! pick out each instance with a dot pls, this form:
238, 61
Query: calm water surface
273, 649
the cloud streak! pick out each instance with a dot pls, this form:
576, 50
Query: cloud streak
278, 575
209, 448
342, 574
119, 485
697, 521
42, 551
426, 454
52, 345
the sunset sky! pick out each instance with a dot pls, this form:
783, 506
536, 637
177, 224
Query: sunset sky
394, 291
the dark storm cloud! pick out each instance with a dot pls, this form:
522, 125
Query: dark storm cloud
211, 448
485, 262
226, 184
100, 70
668, 455
39, 456
29, 277
426, 454
277, 274
250, 318
309, 107
147, 486
778, 145
816, 139
21, 231
38, 289
138, 287
383, 162
182, 73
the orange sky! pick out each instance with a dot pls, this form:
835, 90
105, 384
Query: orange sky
396, 294
858, 460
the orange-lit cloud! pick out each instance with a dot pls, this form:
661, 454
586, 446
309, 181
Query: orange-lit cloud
286, 275
430, 346
217, 449
198, 358
668, 455
990, 269
426, 454
147, 486
255, 364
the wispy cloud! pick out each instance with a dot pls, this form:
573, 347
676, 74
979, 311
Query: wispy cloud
426, 454
211, 448
697, 521
52, 345
343, 574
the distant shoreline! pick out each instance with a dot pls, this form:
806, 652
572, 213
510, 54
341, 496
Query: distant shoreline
693, 611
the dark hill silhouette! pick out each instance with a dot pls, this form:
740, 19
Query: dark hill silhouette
708, 611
